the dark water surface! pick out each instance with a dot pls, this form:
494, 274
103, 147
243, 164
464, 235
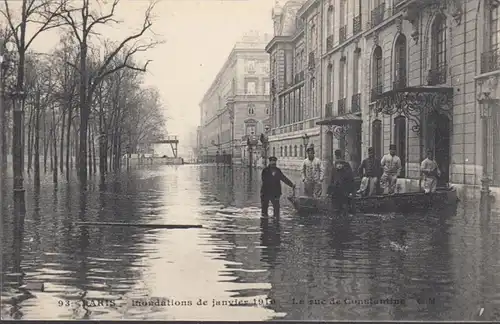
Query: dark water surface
291, 268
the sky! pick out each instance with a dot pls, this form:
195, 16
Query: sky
198, 36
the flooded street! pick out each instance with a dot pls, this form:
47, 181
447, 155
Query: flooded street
294, 267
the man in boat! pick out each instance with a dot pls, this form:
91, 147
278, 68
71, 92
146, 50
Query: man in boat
342, 182
391, 165
312, 174
430, 172
370, 171
271, 187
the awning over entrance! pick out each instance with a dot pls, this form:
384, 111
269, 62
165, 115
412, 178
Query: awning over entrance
341, 120
413, 102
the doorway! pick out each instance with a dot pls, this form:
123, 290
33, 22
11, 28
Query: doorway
442, 133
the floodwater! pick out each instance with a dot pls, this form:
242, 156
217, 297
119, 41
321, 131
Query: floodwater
296, 268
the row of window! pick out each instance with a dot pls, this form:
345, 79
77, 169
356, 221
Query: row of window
250, 67
251, 109
289, 109
251, 88
290, 151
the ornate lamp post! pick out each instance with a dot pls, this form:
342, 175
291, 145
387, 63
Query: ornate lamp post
305, 141
264, 139
485, 116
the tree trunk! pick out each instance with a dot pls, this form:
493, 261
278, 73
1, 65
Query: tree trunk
61, 144
54, 138
89, 134
45, 142
30, 147
68, 142
84, 115
93, 150
37, 141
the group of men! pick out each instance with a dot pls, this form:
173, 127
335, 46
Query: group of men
375, 175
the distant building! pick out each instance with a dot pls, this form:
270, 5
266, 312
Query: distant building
237, 102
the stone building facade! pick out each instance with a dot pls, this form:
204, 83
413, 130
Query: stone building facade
236, 103
419, 74
295, 77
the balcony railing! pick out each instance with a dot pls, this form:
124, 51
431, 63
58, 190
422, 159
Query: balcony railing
490, 61
399, 81
341, 107
437, 76
356, 24
342, 33
356, 103
311, 60
375, 92
377, 14
329, 109
329, 43
299, 77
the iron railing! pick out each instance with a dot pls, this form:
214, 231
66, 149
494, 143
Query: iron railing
329, 109
490, 61
356, 24
377, 14
342, 33
437, 75
311, 61
329, 43
356, 103
375, 92
341, 107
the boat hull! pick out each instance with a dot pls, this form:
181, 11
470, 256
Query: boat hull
402, 202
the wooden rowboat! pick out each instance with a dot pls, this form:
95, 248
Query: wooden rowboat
399, 202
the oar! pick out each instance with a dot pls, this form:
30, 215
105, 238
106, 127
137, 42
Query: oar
166, 226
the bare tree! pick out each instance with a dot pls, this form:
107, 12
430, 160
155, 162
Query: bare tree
82, 29
42, 15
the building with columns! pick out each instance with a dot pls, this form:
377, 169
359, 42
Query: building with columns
237, 102
295, 53
419, 74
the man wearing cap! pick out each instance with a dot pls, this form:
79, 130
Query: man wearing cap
391, 165
271, 187
342, 182
312, 174
430, 172
370, 171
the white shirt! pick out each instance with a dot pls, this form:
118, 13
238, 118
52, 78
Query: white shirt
312, 170
391, 164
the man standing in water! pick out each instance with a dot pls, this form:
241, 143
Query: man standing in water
312, 174
342, 183
370, 171
430, 172
391, 165
271, 187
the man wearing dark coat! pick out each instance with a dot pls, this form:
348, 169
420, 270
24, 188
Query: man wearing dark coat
271, 187
342, 182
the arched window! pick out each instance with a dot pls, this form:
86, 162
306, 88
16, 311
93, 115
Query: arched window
286, 150
355, 72
489, 61
290, 150
281, 150
295, 151
377, 138
400, 62
274, 151
329, 21
301, 149
377, 80
437, 74
251, 109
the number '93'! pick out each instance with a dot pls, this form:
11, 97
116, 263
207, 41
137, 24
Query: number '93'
64, 303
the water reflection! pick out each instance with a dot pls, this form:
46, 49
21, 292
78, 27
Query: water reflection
314, 267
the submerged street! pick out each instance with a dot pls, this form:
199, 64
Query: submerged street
239, 266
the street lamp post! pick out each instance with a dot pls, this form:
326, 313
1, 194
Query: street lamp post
485, 180
264, 139
305, 140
